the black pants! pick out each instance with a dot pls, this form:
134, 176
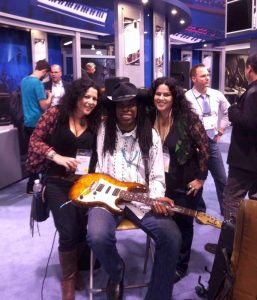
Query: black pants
239, 183
70, 220
185, 224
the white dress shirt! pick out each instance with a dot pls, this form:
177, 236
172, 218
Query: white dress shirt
57, 91
218, 106
126, 164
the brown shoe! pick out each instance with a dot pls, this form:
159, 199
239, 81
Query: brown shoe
211, 248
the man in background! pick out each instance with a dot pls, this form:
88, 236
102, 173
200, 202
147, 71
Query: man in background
242, 154
56, 85
212, 108
34, 102
90, 71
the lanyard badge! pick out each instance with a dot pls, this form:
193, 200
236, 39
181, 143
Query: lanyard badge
83, 156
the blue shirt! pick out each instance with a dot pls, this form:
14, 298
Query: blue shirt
32, 91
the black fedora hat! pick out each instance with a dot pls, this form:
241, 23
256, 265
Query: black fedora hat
124, 91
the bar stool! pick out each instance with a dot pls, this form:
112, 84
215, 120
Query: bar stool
124, 225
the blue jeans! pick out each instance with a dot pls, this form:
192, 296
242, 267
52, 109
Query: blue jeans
217, 169
101, 238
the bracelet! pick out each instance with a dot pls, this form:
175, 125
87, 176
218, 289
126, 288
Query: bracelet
52, 155
220, 133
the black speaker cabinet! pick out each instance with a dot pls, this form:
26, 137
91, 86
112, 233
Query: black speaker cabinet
180, 71
111, 82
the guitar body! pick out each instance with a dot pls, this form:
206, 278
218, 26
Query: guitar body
97, 189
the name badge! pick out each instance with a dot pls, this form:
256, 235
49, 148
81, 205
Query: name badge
166, 159
83, 156
208, 121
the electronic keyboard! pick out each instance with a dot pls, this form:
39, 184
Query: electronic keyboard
82, 12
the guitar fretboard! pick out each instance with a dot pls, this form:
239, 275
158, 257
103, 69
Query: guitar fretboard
142, 198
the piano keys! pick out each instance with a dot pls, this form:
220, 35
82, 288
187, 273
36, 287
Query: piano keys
183, 38
79, 11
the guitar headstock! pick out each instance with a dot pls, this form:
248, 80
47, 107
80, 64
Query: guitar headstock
208, 220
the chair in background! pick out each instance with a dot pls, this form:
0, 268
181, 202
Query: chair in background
124, 225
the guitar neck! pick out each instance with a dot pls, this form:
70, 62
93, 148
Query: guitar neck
142, 198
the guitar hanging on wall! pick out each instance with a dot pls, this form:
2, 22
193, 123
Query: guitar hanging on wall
97, 189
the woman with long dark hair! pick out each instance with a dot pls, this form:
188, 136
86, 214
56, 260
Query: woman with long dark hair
185, 146
63, 147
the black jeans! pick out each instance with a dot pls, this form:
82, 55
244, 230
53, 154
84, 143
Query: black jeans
185, 223
32, 176
70, 220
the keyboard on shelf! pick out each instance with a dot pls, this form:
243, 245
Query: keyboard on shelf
82, 12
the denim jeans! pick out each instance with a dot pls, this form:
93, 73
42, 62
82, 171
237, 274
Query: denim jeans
217, 169
101, 238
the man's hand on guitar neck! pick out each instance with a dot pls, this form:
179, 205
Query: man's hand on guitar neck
161, 206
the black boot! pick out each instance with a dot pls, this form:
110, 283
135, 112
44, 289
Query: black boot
114, 290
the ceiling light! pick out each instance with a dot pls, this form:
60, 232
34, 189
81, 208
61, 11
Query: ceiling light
205, 45
182, 21
67, 43
93, 47
174, 11
144, 1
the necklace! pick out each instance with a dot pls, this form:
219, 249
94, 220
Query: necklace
132, 157
163, 128
82, 124
128, 151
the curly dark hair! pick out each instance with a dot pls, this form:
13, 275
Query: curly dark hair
143, 128
181, 106
73, 94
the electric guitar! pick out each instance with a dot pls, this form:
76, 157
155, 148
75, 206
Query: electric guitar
97, 189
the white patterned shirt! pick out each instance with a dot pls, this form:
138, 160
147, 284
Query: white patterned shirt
126, 164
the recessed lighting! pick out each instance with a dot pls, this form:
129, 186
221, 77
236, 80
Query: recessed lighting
182, 21
205, 45
174, 11
144, 1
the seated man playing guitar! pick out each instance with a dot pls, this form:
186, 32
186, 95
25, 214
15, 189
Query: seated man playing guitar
130, 150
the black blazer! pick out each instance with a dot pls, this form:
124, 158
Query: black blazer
243, 116
48, 85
